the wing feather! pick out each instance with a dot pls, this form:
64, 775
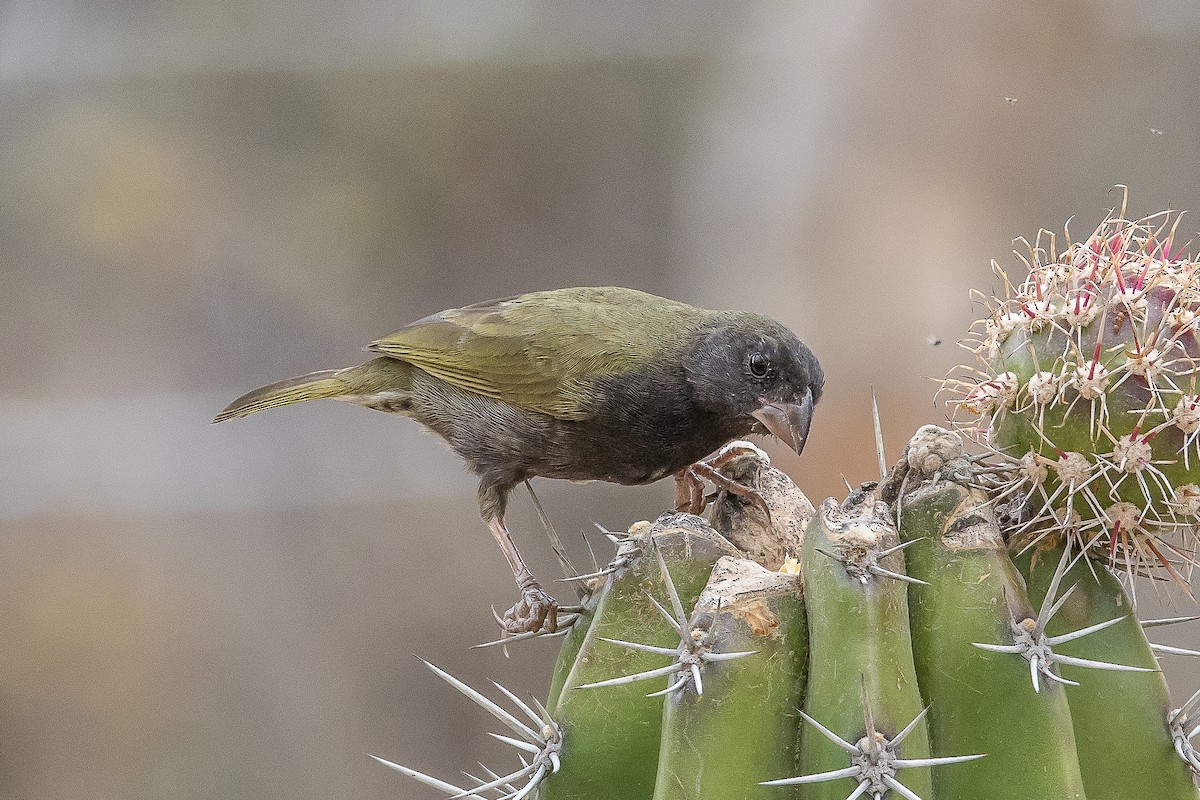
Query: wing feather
543, 351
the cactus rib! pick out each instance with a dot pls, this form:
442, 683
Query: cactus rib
739, 722
858, 625
596, 762
688, 657
980, 701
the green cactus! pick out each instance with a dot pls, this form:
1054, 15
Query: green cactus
964, 628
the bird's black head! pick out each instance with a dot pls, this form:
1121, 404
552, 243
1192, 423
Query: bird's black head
750, 369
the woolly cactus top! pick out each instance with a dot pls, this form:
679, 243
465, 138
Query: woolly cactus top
1085, 391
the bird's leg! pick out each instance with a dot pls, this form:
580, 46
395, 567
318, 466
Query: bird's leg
536, 610
689, 491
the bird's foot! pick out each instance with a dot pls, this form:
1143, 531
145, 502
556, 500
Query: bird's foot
536, 611
689, 490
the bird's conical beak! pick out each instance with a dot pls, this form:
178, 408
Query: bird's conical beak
788, 421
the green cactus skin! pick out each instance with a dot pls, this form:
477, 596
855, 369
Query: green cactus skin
719, 745
568, 652
1120, 718
858, 634
573, 643
611, 735
979, 701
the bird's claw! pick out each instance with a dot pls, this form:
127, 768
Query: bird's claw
689, 492
536, 611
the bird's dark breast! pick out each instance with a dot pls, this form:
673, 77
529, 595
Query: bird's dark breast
642, 427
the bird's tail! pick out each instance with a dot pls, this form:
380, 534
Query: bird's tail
313, 386
379, 380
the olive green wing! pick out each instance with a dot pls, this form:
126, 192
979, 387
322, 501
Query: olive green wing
543, 351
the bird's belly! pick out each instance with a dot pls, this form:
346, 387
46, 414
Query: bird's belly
624, 478
628, 465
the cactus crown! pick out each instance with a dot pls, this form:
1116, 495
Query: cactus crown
1084, 390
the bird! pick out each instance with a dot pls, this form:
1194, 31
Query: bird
584, 384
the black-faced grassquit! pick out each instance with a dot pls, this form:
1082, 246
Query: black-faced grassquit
591, 383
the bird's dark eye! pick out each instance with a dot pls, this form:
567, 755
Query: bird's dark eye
760, 366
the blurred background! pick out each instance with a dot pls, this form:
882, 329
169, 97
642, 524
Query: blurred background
198, 197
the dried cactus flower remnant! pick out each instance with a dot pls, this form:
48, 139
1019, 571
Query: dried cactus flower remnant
1085, 391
